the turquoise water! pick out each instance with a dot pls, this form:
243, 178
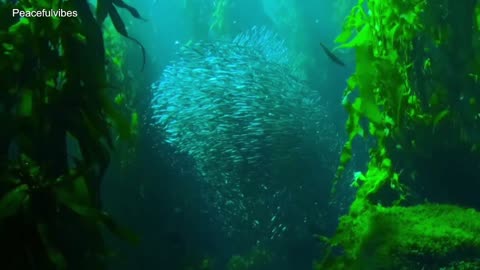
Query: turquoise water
242, 137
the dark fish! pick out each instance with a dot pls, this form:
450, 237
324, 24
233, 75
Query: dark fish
332, 56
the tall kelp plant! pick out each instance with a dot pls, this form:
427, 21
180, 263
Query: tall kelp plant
415, 92
219, 20
54, 95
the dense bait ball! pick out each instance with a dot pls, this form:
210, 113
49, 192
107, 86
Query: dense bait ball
238, 110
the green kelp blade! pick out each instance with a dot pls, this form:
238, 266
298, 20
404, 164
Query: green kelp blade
120, 27
103, 6
11, 203
122, 232
55, 256
132, 10
366, 75
93, 215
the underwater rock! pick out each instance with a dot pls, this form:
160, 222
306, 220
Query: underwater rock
425, 236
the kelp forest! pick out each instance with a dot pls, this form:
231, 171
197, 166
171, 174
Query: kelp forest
60, 121
233, 157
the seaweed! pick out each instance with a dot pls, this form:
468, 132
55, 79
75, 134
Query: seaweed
421, 115
54, 91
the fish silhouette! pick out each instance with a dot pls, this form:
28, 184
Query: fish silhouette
332, 56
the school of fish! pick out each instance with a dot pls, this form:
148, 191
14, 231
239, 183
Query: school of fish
238, 109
